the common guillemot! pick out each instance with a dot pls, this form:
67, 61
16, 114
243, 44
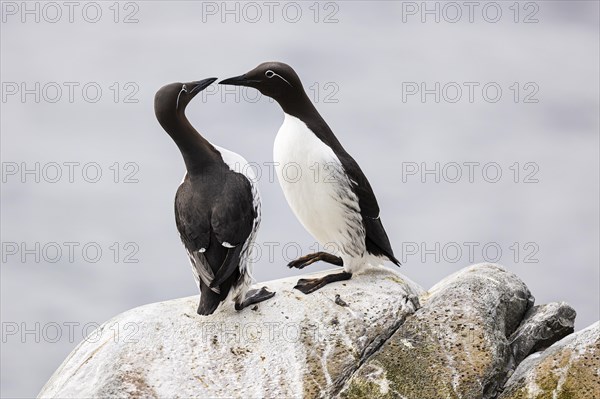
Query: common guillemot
337, 206
217, 210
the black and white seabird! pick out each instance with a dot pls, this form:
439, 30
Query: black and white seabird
337, 206
217, 209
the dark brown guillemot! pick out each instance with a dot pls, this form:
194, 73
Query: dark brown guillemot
217, 209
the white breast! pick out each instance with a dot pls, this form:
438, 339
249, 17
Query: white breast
316, 188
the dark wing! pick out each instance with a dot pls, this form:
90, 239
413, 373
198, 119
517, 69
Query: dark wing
232, 221
361, 186
192, 219
192, 216
377, 240
214, 227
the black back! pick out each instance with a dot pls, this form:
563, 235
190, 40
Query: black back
214, 209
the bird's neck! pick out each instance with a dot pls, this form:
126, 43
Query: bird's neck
299, 105
198, 153
302, 108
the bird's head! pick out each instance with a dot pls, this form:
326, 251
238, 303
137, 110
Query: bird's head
172, 99
273, 79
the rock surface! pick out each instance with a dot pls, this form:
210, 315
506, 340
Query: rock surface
367, 337
569, 369
455, 346
293, 345
542, 326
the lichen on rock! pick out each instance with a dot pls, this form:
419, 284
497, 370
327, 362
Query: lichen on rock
456, 345
569, 369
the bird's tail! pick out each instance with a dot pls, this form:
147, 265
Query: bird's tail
377, 240
393, 259
209, 300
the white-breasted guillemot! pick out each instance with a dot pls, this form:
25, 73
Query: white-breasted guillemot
217, 209
337, 206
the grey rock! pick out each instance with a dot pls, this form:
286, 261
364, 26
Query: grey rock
569, 369
455, 346
293, 345
542, 326
378, 335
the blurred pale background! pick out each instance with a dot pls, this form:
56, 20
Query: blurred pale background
357, 68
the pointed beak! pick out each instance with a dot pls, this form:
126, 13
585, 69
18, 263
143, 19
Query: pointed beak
201, 85
239, 81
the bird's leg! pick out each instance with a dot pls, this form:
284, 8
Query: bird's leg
254, 296
308, 285
309, 259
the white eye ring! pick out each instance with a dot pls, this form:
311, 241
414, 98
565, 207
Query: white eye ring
183, 89
269, 74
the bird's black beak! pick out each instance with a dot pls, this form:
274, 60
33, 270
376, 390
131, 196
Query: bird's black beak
200, 85
239, 81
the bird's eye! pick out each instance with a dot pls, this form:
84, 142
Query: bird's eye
269, 74
184, 88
